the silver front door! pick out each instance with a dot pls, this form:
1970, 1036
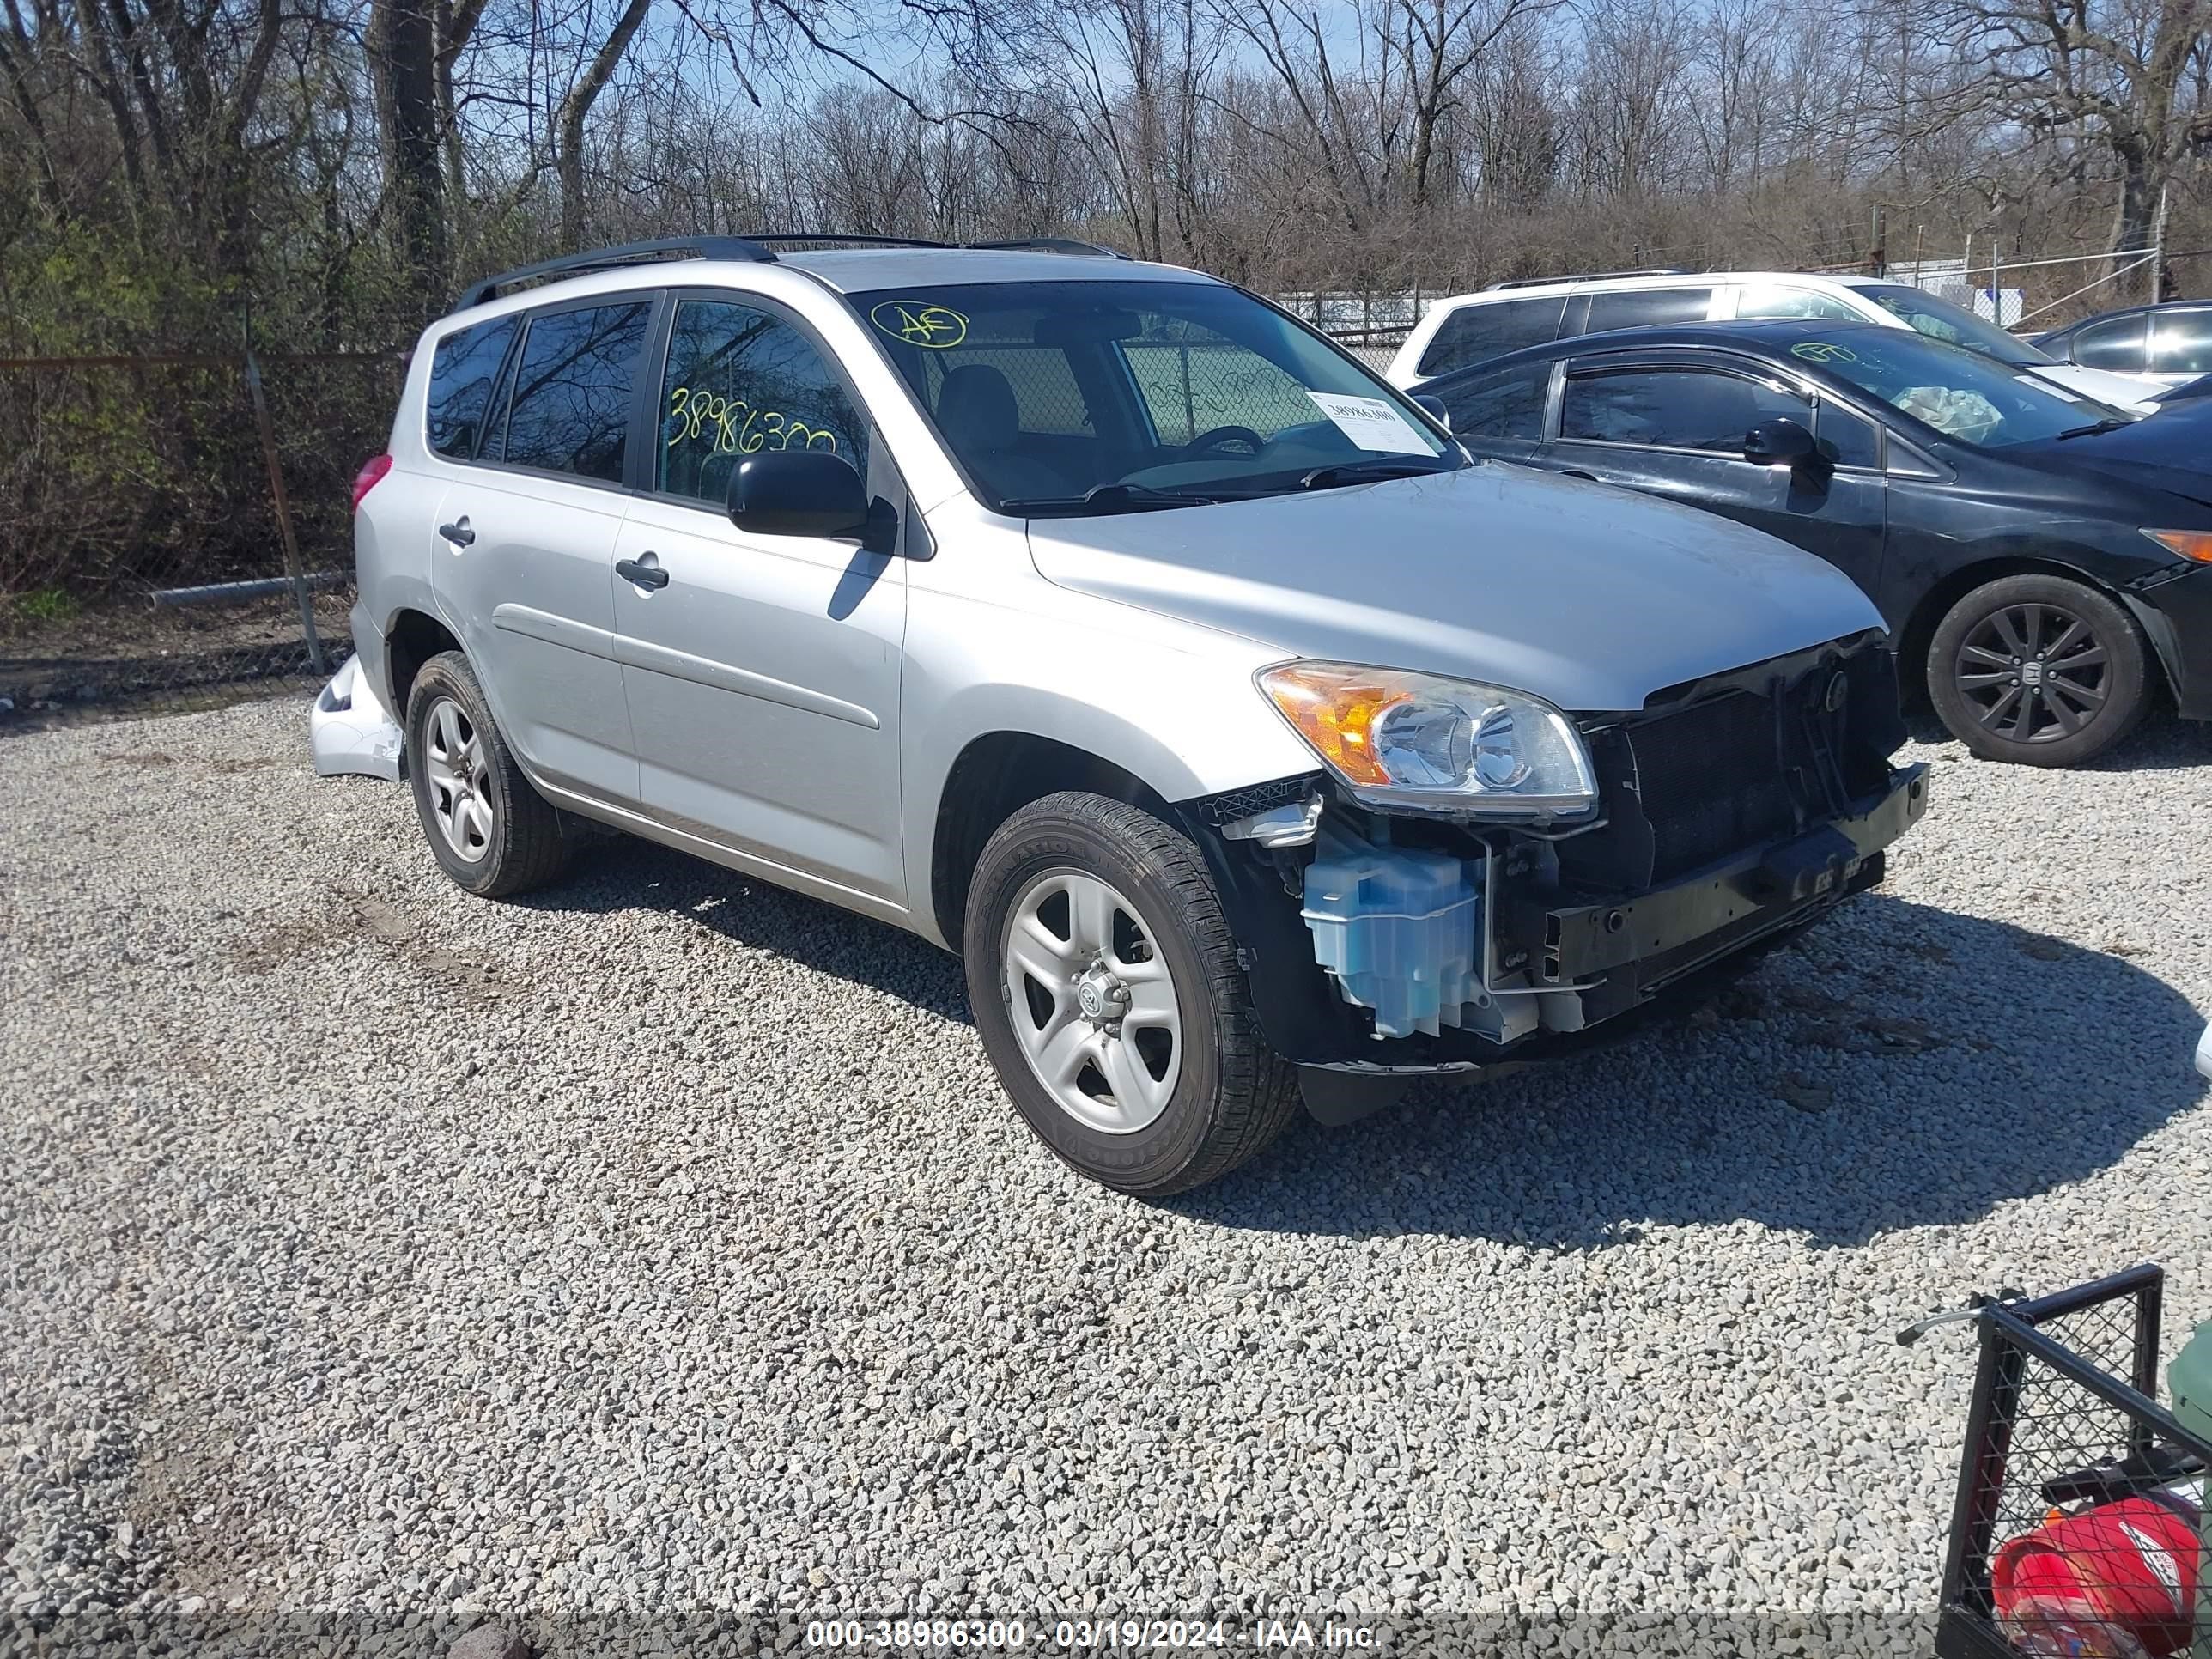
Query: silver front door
761, 672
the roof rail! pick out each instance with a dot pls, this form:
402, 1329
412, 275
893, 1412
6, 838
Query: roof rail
1587, 277
752, 249
839, 236
1051, 245
613, 259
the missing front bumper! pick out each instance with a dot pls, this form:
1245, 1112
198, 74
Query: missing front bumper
1674, 930
1616, 961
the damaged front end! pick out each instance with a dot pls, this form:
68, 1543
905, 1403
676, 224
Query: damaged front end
1731, 812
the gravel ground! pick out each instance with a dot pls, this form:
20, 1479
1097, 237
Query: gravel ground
380, 1260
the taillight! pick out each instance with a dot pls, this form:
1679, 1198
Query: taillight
365, 480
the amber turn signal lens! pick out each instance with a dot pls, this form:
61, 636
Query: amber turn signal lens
1335, 710
2189, 543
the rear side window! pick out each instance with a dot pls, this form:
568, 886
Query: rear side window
1646, 307
2116, 345
2181, 342
1507, 405
1491, 328
461, 373
573, 385
1768, 300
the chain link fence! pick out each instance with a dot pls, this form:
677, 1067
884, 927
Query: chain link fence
176, 528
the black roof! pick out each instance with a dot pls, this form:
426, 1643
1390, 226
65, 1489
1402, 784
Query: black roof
1759, 338
2127, 311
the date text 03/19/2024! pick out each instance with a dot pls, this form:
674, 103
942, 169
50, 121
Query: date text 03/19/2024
1088, 1635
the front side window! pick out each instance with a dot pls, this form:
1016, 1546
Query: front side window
1648, 307
569, 411
1953, 325
1114, 396
1772, 299
2181, 342
2116, 345
1674, 408
1961, 393
1507, 404
1476, 332
740, 381
462, 370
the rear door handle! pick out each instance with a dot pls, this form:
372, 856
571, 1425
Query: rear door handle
645, 575
458, 533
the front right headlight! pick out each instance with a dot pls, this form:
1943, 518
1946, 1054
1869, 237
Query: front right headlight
1418, 742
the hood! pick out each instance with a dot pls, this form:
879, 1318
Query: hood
1590, 597
2118, 390
2171, 450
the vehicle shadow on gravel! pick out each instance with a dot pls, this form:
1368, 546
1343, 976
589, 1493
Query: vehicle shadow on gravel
623, 873
1899, 1065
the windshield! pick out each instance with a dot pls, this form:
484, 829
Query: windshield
1097, 397
1939, 319
1961, 394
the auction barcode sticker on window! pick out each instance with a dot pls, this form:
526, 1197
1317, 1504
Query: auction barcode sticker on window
1372, 424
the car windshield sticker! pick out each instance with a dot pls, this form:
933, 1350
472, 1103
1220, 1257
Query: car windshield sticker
1823, 351
918, 323
1373, 423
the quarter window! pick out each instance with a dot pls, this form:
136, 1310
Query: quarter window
573, 386
2181, 342
740, 381
2116, 345
1646, 307
462, 370
1674, 408
1477, 332
1848, 439
1766, 299
1507, 405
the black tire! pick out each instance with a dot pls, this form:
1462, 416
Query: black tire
2040, 671
525, 848
1232, 1096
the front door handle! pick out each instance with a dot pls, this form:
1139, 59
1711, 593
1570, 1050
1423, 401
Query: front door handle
644, 574
458, 533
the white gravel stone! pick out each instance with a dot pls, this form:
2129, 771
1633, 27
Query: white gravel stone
380, 1260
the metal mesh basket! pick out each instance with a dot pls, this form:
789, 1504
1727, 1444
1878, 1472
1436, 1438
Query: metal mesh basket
2079, 1524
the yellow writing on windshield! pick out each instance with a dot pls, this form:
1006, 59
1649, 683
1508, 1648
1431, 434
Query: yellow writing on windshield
919, 324
732, 426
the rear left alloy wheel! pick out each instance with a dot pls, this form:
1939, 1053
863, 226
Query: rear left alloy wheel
1104, 981
489, 829
2038, 669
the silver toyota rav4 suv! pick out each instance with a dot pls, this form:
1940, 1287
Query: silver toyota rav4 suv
1105, 624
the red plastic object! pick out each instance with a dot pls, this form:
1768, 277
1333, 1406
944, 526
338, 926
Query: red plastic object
2116, 1582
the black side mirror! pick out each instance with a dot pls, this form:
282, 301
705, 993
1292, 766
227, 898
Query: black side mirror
797, 492
1780, 442
1434, 405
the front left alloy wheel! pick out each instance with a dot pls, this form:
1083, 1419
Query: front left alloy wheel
2038, 669
1104, 981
